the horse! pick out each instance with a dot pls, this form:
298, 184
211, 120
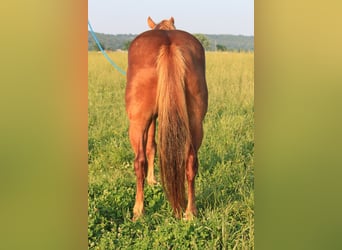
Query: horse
166, 81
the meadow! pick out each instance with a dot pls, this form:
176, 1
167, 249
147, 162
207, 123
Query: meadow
225, 180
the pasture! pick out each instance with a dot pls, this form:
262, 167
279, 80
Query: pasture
225, 180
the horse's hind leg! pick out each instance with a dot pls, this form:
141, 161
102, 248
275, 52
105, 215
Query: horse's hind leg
191, 171
150, 152
137, 135
192, 168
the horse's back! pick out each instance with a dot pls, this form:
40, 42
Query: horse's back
144, 49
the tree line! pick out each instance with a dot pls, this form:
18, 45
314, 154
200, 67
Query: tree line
209, 42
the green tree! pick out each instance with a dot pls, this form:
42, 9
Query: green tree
96, 48
221, 47
126, 45
203, 40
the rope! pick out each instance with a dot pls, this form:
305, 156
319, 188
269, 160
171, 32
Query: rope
104, 52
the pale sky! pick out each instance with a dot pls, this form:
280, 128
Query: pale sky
235, 17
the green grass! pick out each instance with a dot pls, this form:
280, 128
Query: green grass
225, 181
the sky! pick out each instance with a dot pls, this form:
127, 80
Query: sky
234, 17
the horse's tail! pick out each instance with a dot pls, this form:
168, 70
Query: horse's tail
173, 128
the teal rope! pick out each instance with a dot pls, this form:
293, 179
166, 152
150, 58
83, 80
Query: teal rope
104, 52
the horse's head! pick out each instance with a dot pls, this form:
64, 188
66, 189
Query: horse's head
163, 25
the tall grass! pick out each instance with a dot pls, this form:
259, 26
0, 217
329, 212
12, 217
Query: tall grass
225, 181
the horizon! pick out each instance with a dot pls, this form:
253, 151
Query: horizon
132, 34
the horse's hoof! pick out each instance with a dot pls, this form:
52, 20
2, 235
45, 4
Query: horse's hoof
136, 217
189, 216
152, 181
137, 213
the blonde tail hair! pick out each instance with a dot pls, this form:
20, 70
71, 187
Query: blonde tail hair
173, 129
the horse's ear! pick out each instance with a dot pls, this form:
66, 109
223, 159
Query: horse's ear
172, 20
150, 23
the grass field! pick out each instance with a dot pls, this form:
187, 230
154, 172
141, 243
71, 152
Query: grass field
225, 181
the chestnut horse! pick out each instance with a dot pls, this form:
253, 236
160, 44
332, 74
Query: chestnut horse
166, 79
